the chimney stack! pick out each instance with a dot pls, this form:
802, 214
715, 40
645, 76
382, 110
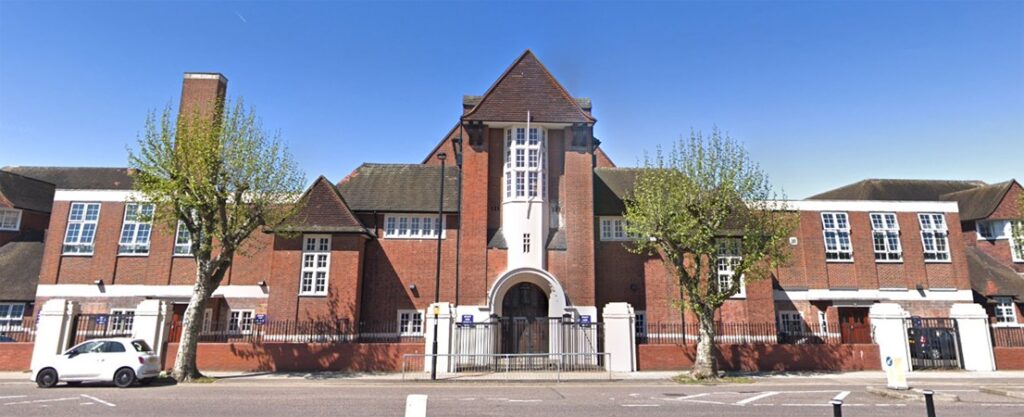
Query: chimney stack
203, 93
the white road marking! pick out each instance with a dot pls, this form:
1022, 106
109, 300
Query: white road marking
41, 401
756, 397
524, 401
841, 396
641, 405
108, 404
86, 403
686, 397
467, 399
13, 396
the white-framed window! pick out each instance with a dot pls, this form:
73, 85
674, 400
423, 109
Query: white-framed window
1017, 247
136, 229
640, 323
10, 219
316, 264
729, 257
240, 321
934, 236
1005, 313
836, 232
410, 322
412, 226
822, 322
182, 241
791, 322
207, 320
614, 228
885, 232
81, 230
11, 315
121, 320
526, 243
524, 162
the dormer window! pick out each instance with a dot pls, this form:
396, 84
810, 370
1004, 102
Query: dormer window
524, 163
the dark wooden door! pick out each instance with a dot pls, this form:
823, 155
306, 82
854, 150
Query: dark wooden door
854, 325
524, 325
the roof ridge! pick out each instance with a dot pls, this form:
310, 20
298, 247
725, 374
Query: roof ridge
5, 171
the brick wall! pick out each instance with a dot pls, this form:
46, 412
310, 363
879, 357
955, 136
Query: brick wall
285, 357
343, 284
1009, 358
30, 221
760, 357
15, 357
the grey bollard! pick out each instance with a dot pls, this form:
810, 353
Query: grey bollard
929, 403
837, 408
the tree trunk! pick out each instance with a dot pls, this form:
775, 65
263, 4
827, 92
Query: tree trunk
705, 366
185, 368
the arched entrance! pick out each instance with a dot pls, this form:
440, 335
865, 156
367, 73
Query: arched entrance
524, 321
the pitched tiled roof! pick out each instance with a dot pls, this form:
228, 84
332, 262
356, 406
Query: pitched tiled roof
399, 188
527, 86
78, 178
896, 190
323, 210
611, 186
980, 202
21, 192
989, 277
19, 270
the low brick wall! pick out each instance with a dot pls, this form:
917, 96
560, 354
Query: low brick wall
762, 357
284, 357
1009, 358
15, 356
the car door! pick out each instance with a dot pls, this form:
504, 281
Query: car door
78, 362
109, 359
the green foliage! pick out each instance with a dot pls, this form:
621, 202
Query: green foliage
1017, 229
700, 201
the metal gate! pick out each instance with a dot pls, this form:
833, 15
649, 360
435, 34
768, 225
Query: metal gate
934, 343
94, 326
529, 339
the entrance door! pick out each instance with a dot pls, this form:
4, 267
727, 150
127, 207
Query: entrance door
934, 343
854, 325
524, 325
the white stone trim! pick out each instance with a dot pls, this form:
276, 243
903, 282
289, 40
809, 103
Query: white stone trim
96, 195
868, 205
874, 295
156, 291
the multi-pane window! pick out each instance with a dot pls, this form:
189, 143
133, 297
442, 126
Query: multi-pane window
410, 322
526, 243
1004, 311
182, 241
791, 322
316, 263
934, 236
411, 226
728, 259
640, 325
822, 322
11, 315
240, 321
885, 231
614, 228
136, 229
81, 231
524, 162
836, 230
121, 320
10, 219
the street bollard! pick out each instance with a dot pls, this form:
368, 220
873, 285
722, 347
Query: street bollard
837, 408
929, 403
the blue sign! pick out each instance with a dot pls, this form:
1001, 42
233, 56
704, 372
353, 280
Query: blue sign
467, 319
584, 321
261, 319
101, 320
915, 321
888, 361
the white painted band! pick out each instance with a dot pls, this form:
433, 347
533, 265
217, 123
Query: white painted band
871, 205
95, 195
874, 295
157, 291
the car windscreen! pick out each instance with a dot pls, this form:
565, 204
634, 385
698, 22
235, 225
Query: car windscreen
141, 346
84, 347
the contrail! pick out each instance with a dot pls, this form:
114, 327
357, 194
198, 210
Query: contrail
240, 17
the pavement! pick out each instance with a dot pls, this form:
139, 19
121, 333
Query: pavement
648, 394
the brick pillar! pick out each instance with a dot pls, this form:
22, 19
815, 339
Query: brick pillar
620, 336
578, 206
473, 279
152, 323
444, 317
53, 330
202, 93
975, 339
890, 333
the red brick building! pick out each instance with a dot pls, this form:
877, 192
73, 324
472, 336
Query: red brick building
24, 216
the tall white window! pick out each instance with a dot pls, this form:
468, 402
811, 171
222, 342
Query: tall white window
524, 162
11, 315
822, 322
885, 231
411, 226
81, 231
1016, 246
1005, 313
10, 219
182, 241
316, 264
136, 229
121, 320
240, 321
729, 257
934, 236
837, 236
526, 243
614, 228
410, 322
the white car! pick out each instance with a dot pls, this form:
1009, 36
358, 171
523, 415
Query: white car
123, 361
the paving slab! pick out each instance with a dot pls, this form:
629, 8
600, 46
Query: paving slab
913, 394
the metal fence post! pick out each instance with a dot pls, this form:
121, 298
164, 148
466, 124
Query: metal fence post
837, 408
929, 403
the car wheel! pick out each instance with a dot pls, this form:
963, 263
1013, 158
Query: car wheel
47, 378
124, 378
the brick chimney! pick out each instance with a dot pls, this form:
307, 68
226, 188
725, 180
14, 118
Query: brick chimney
203, 92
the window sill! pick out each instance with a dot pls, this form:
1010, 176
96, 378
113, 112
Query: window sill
132, 255
839, 261
947, 261
412, 238
183, 255
885, 261
1011, 325
311, 295
76, 254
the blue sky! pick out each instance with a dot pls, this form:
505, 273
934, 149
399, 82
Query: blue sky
821, 93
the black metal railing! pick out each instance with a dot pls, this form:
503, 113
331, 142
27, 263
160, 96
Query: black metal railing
1007, 336
23, 331
741, 333
301, 331
94, 326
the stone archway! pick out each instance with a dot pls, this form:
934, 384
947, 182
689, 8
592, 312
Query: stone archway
557, 301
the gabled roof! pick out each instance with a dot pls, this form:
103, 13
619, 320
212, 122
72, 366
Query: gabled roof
896, 190
980, 202
527, 86
78, 178
990, 278
323, 210
21, 192
399, 188
19, 270
611, 187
